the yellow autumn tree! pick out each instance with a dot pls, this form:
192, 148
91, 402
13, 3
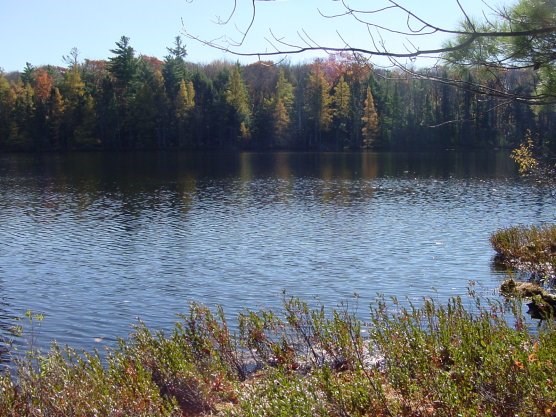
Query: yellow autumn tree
369, 129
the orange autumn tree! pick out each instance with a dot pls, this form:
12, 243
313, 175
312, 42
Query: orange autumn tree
42, 85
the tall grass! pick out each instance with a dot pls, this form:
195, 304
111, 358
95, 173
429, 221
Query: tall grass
454, 358
530, 248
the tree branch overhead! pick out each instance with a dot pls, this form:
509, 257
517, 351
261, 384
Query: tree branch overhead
520, 36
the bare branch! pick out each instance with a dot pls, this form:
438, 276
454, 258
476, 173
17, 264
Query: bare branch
467, 19
480, 89
299, 49
226, 21
469, 36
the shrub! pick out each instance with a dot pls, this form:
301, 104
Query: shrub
411, 360
529, 248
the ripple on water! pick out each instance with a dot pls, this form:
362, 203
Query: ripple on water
95, 256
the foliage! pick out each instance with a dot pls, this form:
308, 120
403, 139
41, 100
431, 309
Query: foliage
132, 101
433, 359
528, 248
521, 36
370, 120
237, 98
536, 50
341, 101
523, 156
66, 383
123, 65
535, 162
318, 105
281, 106
175, 70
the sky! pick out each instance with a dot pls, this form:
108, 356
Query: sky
43, 31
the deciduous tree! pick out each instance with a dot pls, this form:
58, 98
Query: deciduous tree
341, 108
370, 120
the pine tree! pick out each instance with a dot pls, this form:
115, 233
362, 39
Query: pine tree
318, 103
282, 107
237, 99
174, 69
149, 108
123, 66
28, 74
23, 130
55, 119
120, 93
84, 132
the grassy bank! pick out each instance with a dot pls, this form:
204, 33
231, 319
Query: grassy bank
457, 358
532, 249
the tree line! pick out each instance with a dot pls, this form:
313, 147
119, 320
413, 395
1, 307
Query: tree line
131, 101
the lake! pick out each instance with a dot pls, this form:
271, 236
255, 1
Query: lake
96, 241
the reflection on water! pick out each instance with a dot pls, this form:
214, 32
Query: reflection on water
95, 241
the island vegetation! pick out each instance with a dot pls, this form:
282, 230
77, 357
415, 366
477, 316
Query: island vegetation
532, 249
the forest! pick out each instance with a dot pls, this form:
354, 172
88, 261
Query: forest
130, 101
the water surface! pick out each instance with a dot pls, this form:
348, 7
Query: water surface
96, 241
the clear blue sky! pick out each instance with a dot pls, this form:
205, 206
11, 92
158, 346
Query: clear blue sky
42, 31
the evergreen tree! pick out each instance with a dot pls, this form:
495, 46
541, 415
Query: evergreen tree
28, 74
318, 105
184, 104
84, 133
149, 108
23, 130
238, 101
175, 69
55, 119
123, 66
206, 99
120, 93
282, 108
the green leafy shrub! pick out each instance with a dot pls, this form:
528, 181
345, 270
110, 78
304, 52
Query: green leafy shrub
432, 359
